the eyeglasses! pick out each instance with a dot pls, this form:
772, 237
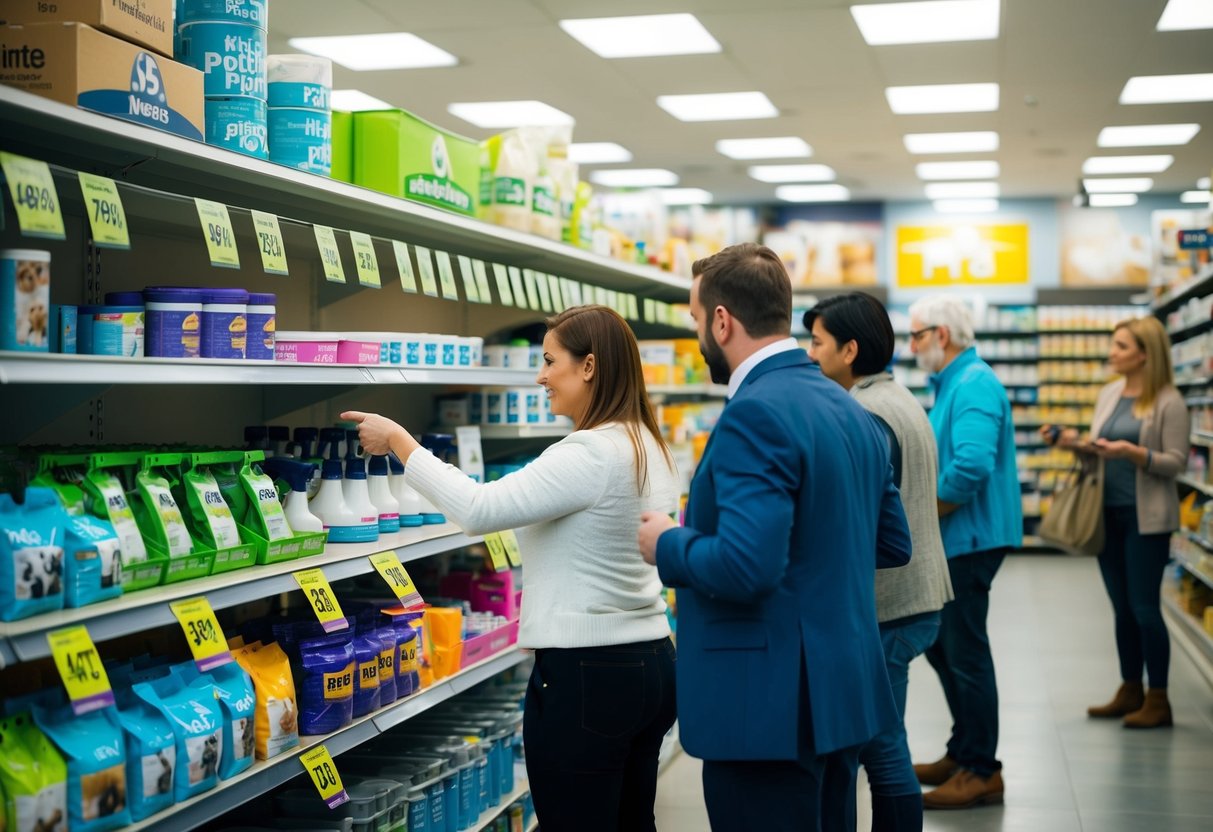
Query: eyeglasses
915, 335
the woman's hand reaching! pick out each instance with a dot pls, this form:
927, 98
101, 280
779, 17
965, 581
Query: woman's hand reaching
379, 434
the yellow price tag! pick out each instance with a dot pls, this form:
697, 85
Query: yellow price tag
322, 598
470, 287
482, 279
106, 216
388, 565
425, 269
365, 260
318, 763
496, 551
446, 275
408, 282
80, 668
34, 196
503, 285
202, 632
269, 243
511, 547
217, 231
516, 282
330, 255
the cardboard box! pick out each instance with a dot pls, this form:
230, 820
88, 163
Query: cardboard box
76, 64
144, 22
401, 154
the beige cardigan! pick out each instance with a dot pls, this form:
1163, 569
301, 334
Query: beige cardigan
1165, 432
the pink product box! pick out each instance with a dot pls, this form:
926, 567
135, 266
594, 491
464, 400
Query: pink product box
327, 352
480, 647
495, 593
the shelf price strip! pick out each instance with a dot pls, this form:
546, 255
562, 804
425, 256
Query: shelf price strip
319, 765
32, 188
217, 231
408, 281
79, 665
106, 216
202, 632
322, 599
269, 243
365, 260
330, 255
388, 565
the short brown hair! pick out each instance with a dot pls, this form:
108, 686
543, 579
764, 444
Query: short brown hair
752, 283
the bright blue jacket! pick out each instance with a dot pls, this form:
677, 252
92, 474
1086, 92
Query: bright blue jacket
791, 510
977, 469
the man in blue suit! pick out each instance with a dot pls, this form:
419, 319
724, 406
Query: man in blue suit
781, 674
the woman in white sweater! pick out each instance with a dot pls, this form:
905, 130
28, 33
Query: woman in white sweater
601, 696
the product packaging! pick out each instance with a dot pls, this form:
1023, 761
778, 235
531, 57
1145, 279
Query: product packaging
197, 719
151, 753
234, 690
147, 23
92, 561
31, 554
25, 297
33, 777
91, 745
276, 718
265, 514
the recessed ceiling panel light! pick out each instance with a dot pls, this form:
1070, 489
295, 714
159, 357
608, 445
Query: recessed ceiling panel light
1203, 183
956, 170
390, 50
962, 190
1097, 165
1111, 200
724, 106
1131, 185
812, 193
943, 98
635, 178
982, 141
598, 153
934, 21
966, 206
642, 36
684, 196
1186, 14
495, 114
1168, 89
1147, 135
1195, 197
793, 173
779, 147
353, 100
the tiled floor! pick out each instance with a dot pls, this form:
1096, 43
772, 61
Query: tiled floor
1051, 630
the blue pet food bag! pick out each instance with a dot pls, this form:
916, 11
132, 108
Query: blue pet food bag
91, 744
31, 554
197, 720
238, 701
151, 754
92, 561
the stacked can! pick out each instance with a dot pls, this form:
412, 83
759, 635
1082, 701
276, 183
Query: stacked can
225, 39
300, 117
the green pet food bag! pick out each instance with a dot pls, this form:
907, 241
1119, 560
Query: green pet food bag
265, 513
33, 775
165, 523
212, 516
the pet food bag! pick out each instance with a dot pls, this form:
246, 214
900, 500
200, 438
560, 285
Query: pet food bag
31, 554
212, 517
265, 513
238, 702
105, 497
197, 720
151, 754
276, 718
92, 746
92, 561
163, 521
33, 777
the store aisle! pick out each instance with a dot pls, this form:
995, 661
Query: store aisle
1052, 637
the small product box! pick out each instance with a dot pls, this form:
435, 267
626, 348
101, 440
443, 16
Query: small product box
325, 348
142, 22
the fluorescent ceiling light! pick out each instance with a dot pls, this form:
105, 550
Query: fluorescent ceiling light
793, 173
493, 114
724, 106
1147, 135
354, 100
1186, 14
935, 21
943, 98
956, 170
1195, 197
966, 206
684, 196
1111, 200
1134, 185
1097, 165
598, 153
982, 141
780, 147
642, 35
634, 178
1203, 183
962, 190
812, 193
390, 50
1168, 89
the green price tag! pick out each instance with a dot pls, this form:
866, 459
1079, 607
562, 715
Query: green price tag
469, 280
633, 313
404, 264
446, 275
650, 314
425, 268
106, 217
32, 188
557, 296
269, 243
365, 260
482, 280
532, 289
503, 285
520, 299
545, 296
217, 231
330, 255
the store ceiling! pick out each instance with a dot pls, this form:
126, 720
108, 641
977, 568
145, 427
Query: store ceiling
1061, 65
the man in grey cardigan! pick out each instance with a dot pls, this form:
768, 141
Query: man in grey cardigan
853, 343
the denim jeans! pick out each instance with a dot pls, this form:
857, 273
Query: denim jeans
961, 656
887, 757
1132, 565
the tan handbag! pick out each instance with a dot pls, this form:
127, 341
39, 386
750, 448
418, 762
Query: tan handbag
1075, 520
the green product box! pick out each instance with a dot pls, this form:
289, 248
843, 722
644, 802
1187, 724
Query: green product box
400, 154
343, 146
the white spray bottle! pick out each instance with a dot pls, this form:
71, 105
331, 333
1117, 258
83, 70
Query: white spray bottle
381, 495
408, 499
358, 496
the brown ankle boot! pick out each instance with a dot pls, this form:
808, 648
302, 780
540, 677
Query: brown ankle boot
936, 773
1155, 713
1130, 696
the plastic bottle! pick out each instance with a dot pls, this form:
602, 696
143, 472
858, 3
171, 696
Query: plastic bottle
381, 496
279, 436
358, 497
329, 505
406, 497
297, 474
441, 445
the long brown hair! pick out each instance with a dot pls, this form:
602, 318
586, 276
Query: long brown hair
617, 391
1151, 339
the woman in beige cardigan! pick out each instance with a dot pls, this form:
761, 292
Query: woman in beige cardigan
1140, 431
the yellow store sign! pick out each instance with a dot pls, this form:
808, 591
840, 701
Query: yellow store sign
938, 256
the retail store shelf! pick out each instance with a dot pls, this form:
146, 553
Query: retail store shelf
1195, 484
269, 774
1194, 382
497, 376
533, 825
524, 431
1186, 332
1207, 545
1203, 439
1201, 284
1103, 357
1188, 632
58, 133
26, 639
1203, 573
1090, 331
1005, 333
488, 816
716, 391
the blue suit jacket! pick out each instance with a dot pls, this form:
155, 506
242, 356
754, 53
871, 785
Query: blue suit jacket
776, 568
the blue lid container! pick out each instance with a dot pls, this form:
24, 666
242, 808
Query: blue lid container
262, 324
124, 299
224, 323
173, 321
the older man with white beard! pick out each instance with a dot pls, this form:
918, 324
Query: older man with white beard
981, 520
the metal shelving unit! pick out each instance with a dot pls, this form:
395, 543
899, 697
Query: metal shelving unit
486, 818
524, 431
715, 391
1200, 284
1184, 479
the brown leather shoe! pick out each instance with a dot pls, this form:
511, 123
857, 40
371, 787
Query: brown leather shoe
1130, 696
1155, 713
965, 790
936, 773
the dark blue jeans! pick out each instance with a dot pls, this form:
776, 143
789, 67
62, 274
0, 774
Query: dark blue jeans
961, 656
887, 757
1132, 565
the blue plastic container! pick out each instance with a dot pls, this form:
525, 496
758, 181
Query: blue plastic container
231, 57
301, 139
237, 124
110, 330
224, 323
251, 12
262, 324
173, 322
300, 96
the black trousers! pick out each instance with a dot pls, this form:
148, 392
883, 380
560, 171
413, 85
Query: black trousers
1132, 565
592, 727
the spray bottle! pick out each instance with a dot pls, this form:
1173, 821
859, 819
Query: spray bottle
407, 498
441, 445
329, 506
381, 495
358, 496
305, 440
297, 474
278, 437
